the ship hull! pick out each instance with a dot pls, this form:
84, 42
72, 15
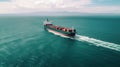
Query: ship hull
59, 31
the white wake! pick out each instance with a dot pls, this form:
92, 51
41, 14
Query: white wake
93, 41
98, 42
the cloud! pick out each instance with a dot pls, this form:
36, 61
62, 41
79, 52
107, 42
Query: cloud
96, 9
6, 7
50, 3
85, 6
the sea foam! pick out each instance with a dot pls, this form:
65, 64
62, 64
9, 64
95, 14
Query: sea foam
98, 42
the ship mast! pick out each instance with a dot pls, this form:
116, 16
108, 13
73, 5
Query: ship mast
47, 21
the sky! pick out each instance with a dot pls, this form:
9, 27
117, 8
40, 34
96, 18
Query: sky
82, 6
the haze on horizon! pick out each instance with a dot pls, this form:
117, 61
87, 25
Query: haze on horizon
78, 6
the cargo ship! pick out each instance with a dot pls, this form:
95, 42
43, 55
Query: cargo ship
59, 29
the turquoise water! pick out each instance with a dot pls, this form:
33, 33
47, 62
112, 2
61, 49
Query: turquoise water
25, 43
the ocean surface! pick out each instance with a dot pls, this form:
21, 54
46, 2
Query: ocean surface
25, 43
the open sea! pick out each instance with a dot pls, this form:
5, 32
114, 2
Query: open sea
25, 43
